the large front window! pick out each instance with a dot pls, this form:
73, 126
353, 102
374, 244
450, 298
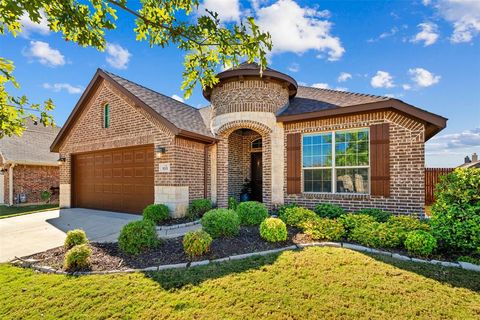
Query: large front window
336, 161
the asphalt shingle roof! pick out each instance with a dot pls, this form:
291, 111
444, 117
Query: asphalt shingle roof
32, 147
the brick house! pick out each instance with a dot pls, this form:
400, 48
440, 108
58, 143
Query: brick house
27, 167
126, 146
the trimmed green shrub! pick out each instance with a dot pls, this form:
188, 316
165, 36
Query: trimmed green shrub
221, 223
196, 243
352, 220
198, 207
232, 203
469, 259
252, 212
283, 207
420, 243
327, 210
138, 236
378, 214
46, 195
455, 218
323, 229
273, 230
156, 213
74, 238
78, 258
296, 216
376, 235
404, 224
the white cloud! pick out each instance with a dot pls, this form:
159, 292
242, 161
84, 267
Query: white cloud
29, 27
341, 89
45, 54
428, 34
57, 87
406, 86
344, 76
382, 79
321, 85
426, 2
228, 10
294, 67
463, 14
384, 35
423, 78
117, 56
449, 150
298, 29
178, 98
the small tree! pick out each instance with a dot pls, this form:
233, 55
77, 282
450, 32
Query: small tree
46, 195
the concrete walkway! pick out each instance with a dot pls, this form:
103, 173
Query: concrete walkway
32, 233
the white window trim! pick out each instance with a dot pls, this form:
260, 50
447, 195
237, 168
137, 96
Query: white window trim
333, 168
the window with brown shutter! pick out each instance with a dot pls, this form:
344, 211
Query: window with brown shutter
294, 162
380, 159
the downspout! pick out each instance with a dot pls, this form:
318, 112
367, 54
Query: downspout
205, 167
10, 184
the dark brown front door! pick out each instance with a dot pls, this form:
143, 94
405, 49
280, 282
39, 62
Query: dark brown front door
257, 176
115, 179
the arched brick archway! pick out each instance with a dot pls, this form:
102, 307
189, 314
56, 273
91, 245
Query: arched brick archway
223, 152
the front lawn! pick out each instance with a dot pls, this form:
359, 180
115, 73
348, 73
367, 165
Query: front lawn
6, 212
312, 283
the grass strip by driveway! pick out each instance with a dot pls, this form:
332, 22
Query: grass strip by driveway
313, 283
8, 212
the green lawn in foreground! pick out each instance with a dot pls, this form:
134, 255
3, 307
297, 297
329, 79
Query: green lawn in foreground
309, 284
6, 211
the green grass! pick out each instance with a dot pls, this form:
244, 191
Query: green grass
309, 284
7, 212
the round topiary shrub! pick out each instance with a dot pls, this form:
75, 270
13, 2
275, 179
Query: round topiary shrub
221, 223
252, 212
138, 236
157, 213
281, 209
74, 238
273, 230
420, 243
198, 207
455, 218
327, 210
377, 235
323, 229
351, 221
77, 258
402, 225
196, 243
378, 214
296, 216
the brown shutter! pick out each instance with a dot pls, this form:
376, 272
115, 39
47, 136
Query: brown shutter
380, 159
294, 161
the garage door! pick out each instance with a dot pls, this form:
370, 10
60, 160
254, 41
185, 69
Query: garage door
115, 179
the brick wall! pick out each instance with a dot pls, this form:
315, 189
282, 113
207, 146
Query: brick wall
406, 164
32, 180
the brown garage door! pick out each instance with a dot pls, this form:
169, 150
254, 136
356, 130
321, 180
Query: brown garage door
115, 179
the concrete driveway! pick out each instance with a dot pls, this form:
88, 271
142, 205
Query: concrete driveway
32, 233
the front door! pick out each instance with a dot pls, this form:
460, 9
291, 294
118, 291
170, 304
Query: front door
256, 176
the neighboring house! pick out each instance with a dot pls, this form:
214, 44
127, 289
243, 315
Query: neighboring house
27, 165
126, 146
473, 163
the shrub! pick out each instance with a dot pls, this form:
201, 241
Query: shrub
455, 218
404, 224
327, 210
469, 259
323, 229
78, 258
351, 221
74, 238
156, 213
420, 243
376, 235
221, 223
45, 195
273, 230
252, 212
377, 214
232, 203
138, 236
282, 208
198, 208
296, 216
196, 243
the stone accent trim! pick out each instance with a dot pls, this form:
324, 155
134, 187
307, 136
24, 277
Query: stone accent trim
65, 195
174, 197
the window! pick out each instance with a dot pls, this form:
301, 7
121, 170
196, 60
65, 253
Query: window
257, 143
336, 162
106, 116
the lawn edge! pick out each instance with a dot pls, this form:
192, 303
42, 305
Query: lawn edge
28, 212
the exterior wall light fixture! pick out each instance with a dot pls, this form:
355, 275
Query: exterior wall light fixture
61, 160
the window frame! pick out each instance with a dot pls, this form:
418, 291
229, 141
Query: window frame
333, 166
106, 116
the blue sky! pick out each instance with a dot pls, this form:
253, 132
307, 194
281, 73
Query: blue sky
424, 52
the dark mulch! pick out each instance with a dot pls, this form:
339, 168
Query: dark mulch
107, 256
171, 222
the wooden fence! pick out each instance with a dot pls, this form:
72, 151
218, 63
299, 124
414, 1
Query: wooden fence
432, 177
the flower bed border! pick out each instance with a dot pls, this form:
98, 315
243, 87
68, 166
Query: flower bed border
355, 247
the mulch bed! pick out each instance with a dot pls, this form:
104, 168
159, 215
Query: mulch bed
107, 256
171, 222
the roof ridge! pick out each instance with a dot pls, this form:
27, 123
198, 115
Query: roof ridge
349, 92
